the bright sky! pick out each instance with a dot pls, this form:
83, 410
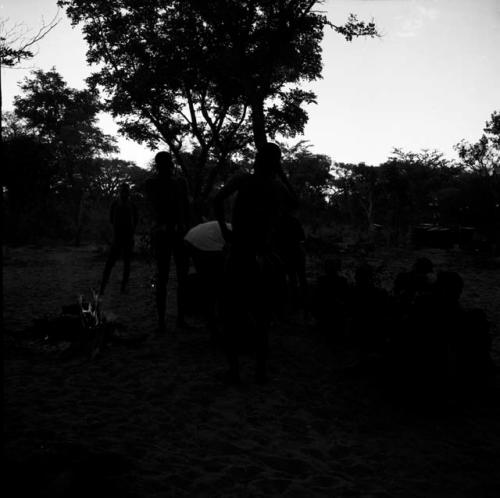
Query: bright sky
430, 81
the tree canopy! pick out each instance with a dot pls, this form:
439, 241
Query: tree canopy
55, 157
65, 117
225, 73
484, 155
16, 42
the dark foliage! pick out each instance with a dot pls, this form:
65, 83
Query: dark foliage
54, 174
225, 74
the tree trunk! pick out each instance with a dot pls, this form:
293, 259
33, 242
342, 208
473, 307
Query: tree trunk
201, 165
258, 123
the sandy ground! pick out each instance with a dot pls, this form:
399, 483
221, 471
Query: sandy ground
153, 420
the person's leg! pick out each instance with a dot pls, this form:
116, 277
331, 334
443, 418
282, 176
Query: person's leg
230, 345
163, 251
127, 257
262, 311
262, 349
114, 253
231, 317
209, 266
213, 280
181, 259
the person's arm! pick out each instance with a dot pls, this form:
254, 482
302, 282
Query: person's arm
184, 205
276, 216
226, 191
112, 213
135, 217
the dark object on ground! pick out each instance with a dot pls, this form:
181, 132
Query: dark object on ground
83, 327
434, 236
444, 237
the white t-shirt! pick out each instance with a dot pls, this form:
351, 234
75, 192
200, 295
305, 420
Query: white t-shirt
206, 236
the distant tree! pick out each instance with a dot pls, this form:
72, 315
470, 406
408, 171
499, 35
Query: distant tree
481, 186
310, 176
479, 204
16, 42
223, 73
112, 172
65, 119
356, 186
427, 158
427, 183
63, 116
109, 174
28, 176
409, 188
492, 128
13, 127
483, 157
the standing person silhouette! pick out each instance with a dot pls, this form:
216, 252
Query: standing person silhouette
261, 199
123, 218
168, 196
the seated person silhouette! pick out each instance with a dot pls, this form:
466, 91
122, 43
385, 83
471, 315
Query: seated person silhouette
462, 340
466, 333
123, 218
330, 298
433, 323
168, 196
247, 296
205, 245
416, 282
290, 238
475, 366
368, 307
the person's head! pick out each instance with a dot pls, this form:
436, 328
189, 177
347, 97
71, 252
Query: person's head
423, 266
164, 164
268, 160
124, 191
365, 275
332, 266
449, 285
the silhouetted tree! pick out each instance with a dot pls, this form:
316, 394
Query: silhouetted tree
112, 172
214, 72
409, 188
310, 175
28, 175
17, 44
13, 127
66, 119
356, 188
481, 187
483, 156
416, 187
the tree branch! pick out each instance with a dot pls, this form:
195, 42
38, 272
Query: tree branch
10, 56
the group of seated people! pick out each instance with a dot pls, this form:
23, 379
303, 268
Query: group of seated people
424, 337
